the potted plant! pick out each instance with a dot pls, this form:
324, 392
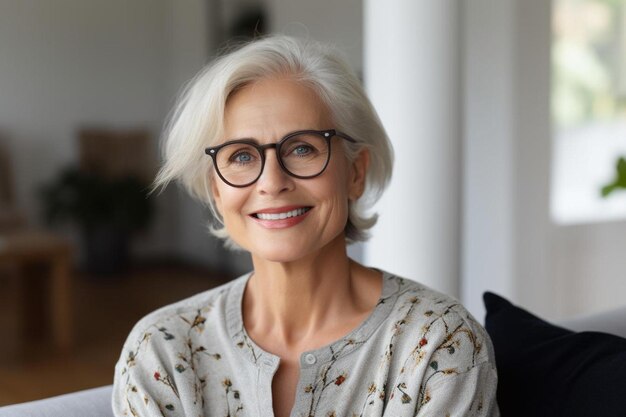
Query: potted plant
620, 178
107, 211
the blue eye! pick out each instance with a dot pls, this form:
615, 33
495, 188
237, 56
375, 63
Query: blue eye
243, 157
302, 150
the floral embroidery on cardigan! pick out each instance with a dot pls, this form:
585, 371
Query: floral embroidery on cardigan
182, 366
324, 381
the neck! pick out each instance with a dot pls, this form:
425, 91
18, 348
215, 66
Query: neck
297, 301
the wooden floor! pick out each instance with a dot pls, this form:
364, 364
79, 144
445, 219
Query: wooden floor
105, 311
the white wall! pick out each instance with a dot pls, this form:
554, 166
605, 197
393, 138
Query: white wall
65, 64
70, 63
508, 239
589, 267
337, 22
415, 87
488, 249
113, 63
534, 283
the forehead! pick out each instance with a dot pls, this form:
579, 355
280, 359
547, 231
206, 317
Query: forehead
274, 107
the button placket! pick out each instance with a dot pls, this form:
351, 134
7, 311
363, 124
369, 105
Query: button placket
310, 359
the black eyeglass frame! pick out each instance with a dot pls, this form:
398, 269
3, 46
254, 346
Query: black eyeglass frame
326, 134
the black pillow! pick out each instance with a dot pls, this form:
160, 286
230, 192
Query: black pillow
546, 370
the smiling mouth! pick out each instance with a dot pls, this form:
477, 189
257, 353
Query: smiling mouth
282, 216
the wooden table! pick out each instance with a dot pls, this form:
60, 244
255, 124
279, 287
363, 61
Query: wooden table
30, 251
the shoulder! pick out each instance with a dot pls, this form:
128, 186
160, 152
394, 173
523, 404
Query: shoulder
435, 325
156, 368
439, 357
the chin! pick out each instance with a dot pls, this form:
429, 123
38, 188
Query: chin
280, 254
281, 250
285, 251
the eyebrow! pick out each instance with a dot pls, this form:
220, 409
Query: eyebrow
249, 139
255, 140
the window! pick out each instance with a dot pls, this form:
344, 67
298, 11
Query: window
588, 108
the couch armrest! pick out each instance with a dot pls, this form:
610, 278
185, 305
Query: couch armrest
94, 402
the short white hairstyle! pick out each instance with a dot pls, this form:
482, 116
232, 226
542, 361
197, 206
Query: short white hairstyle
196, 121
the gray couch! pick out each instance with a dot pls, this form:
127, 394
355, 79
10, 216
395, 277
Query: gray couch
97, 402
94, 402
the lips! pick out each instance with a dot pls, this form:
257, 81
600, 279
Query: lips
281, 213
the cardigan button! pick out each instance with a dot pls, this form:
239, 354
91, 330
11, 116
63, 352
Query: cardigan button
310, 359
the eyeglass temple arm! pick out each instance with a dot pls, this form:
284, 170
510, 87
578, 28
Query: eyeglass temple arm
344, 136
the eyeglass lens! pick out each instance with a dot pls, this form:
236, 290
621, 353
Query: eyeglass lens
302, 155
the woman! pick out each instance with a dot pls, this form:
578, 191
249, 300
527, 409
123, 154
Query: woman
279, 139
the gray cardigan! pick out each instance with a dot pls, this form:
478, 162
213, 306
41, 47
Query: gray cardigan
418, 353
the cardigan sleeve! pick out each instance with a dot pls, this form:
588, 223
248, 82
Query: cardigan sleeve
470, 393
448, 368
151, 379
460, 378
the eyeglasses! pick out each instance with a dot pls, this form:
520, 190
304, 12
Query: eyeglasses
302, 154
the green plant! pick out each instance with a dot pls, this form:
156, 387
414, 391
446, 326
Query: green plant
92, 201
620, 178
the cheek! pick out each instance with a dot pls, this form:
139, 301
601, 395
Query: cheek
225, 197
231, 200
338, 191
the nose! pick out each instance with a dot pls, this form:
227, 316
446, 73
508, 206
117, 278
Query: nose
273, 180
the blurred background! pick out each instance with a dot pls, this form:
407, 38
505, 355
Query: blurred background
508, 119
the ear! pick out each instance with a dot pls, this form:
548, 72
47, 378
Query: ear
358, 174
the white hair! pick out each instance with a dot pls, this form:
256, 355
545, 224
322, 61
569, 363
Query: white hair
197, 120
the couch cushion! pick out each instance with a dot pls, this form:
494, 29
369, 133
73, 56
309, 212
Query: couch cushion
546, 370
94, 402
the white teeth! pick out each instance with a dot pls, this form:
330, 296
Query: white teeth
281, 216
